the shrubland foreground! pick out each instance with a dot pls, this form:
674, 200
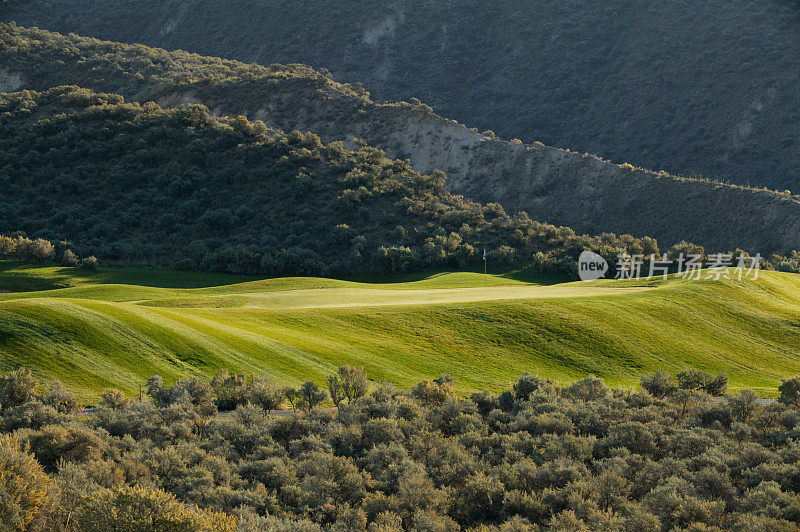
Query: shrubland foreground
116, 327
537, 456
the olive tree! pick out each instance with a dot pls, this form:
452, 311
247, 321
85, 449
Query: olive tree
307, 397
347, 383
790, 391
268, 395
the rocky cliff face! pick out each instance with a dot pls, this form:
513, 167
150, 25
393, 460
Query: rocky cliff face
552, 185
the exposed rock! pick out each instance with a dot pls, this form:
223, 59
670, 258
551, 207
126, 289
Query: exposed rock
10, 81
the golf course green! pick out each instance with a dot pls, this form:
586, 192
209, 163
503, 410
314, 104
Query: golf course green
117, 327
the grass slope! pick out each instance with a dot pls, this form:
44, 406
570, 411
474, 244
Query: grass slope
99, 333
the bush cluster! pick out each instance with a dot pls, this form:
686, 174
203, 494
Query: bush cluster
41, 251
538, 456
789, 263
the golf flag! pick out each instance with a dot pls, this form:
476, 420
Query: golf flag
484, 253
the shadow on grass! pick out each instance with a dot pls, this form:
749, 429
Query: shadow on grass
526, 275
530, 275
27, 277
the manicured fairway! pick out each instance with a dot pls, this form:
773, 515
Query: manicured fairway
115, 328
367, 297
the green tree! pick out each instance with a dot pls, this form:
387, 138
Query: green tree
718, 385
742, 405
693, 379
7, 245
658, 384
347, 383
89, 263
790, 391
114, 399
589, 388
307, 397
685, 249
431, 392
61, 399
527, 384
231, 390
268, 395
335, 389
40, 250
69, 258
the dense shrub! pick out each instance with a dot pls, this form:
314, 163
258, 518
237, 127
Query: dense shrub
143, 508
23, 485
61, 399
790, 391
17, 388
692, 379
306, 397
658, 384
536, 457
348, 383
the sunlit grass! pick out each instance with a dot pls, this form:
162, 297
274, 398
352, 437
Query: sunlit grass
102, 333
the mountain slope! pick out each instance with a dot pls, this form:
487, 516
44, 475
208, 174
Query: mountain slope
693, 87
96, 335
552, 185
180, 187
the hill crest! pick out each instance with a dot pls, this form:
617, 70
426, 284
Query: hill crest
552, 185
693, 87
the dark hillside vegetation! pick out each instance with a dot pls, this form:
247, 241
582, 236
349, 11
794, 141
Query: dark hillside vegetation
537, 456
690, 86
551, 185
138, 184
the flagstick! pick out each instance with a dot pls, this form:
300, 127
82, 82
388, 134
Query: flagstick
484, 268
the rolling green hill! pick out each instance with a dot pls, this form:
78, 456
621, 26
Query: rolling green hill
690, 86
101, 333
551, 185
